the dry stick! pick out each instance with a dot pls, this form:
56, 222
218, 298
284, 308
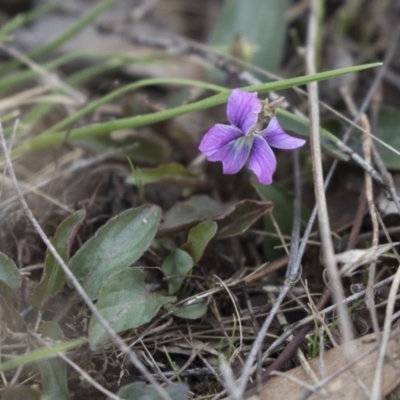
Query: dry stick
290, 279
377, 384
367, 144
114, 336
323, 217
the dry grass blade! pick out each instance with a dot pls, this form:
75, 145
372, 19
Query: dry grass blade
353, 259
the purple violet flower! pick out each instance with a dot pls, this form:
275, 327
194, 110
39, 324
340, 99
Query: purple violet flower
243, 140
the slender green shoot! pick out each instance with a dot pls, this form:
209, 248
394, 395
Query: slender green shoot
172, 365
55, 138
137, 173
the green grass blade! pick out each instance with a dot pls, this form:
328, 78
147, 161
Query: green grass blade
56, 138
119, 92
40, 354
22, 19
82, 23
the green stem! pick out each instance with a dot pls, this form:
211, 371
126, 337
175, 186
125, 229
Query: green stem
56, 138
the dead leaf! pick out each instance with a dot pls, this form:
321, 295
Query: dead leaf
344, 386
353, 259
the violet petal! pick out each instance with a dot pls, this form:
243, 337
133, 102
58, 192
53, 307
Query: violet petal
217, 137
262, 160
243, 109
233, 155
277, 137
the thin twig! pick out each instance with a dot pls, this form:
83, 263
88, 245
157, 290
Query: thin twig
290, 279
305, 321
377, 385
367, 145
323, 217
78, 287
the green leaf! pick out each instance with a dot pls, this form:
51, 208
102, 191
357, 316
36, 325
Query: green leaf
198, 239
301, 128
175, 268
141, 391
125, 303
192, 311
185, 214
51, 330
232, 219
53, 370
116, 245
9, 276
40, 354
171, 173
242, 217
282, 202
261, 24
53, 278
389, 132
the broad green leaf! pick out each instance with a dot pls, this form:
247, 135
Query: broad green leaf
175, 268
174, 172
232, 219
53, 278
53, 370
56, 138
141, 391
9, 275
192, 311
185, 214
282, 210
242, 217
125, 303
116, 245
389, 132
198, 239
40, 354
261, 24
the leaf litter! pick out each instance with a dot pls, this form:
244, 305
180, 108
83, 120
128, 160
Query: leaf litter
190, 235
